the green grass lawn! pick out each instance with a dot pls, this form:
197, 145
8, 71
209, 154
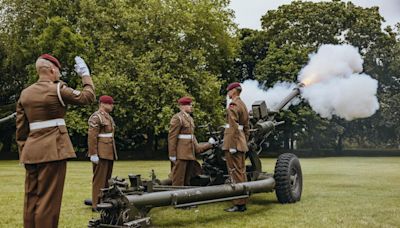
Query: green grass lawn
337, 192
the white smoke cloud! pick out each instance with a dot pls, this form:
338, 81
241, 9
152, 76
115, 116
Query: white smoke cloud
349, 98
331, 61
252, 91
334, 87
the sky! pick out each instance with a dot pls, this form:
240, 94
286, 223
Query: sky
248, 12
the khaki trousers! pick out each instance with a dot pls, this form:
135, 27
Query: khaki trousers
183, 171
101, 174
44, 185
237, 170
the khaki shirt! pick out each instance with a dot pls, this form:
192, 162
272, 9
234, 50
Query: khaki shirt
47, 100
234, 137
101, 122
182, 148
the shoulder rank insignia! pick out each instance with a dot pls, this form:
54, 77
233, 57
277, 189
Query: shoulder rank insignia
93, 121
76, 92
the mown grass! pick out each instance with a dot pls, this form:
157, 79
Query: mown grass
338, 192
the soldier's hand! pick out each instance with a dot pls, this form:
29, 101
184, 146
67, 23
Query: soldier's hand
212, 141
94, 159
173, 159
80, 67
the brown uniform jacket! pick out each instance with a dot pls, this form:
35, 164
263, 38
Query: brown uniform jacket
101, 122
184, 149
46, 100
235, 138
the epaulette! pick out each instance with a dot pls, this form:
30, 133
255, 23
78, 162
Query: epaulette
96, 113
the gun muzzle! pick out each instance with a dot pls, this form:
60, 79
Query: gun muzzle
291, 96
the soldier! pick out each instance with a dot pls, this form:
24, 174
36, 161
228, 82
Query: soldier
42, 137
101, 144
235, 141
182, 144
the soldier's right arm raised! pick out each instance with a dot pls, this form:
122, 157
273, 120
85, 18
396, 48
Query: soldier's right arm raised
72, 96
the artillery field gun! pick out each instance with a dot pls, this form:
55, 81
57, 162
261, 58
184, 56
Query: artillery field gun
8, 118
126, 204
5, 116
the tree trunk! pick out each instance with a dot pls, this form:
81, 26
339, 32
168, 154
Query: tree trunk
149, 147
339, 145
286, 139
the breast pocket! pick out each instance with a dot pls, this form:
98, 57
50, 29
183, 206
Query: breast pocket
108, 127
186, 128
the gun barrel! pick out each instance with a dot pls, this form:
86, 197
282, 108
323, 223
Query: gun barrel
288, 98
201, 195
7, 118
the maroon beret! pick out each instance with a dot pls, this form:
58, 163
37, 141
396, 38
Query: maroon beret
233, 85
185, 101
106, 99
52, 59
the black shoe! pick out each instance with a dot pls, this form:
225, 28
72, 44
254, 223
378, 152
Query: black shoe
95, 210
88, 202
236, 208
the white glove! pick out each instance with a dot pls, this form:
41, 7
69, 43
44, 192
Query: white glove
94, 159
80, 67
212, 141
173, 159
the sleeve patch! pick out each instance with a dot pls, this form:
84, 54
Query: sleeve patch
94, 121
93, 124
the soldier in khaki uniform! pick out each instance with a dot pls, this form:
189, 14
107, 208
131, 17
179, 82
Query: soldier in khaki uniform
102, 151
42, 138
235, 141
182, 144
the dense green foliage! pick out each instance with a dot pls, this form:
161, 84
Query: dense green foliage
148, 53
295, 30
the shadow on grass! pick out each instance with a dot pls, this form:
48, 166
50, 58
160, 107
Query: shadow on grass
223, 216
263, 202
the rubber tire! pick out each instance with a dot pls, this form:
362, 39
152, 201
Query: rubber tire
285, 190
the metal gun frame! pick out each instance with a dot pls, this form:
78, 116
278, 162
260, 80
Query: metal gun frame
126, 204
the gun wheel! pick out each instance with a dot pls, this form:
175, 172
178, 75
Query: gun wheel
288, 178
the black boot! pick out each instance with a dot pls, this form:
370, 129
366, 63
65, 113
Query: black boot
88, 202
236, 208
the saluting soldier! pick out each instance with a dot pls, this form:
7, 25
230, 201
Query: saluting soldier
182, 144
102, 151
236, 135
43, 140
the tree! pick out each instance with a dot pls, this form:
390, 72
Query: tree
295, 30
281, 64
253, 48
145, 53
